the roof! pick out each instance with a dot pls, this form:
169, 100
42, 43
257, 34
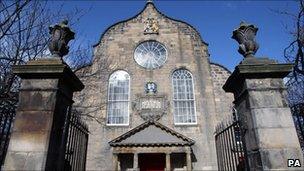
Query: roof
151, 133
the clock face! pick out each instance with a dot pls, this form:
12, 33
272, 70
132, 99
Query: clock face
150, 54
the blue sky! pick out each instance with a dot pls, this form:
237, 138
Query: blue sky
215, 20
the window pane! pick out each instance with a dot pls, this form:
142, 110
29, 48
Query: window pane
183, 98
118, 98
150, 54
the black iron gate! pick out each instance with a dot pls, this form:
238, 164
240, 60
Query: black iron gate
7, 116
230, 146
77, 141
298, 118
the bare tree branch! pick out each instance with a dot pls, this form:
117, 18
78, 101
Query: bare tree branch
24, 35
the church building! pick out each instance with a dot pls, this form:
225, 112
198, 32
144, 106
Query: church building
152, 97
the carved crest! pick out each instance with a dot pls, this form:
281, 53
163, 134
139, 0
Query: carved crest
151, 107
151, 26
151, 88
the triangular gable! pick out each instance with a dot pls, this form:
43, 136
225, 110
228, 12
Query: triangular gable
151, 133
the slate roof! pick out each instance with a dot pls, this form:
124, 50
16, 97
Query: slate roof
151, 133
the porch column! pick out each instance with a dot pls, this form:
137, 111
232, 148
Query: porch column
168, 162
118, 164
115, 161
188, 158
135, 161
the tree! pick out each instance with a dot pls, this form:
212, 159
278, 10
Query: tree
24, 36
295, 84
294, 53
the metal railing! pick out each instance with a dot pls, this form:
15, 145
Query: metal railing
230, 146
7, 116
77, 141
298, 118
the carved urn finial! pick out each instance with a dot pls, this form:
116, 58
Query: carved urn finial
245, 36
61, 34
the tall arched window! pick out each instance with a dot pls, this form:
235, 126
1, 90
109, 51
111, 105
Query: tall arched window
118, 98
183, 97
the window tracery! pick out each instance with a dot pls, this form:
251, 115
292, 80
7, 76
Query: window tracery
118, 98
183, 97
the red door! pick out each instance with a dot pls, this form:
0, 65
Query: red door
152, 162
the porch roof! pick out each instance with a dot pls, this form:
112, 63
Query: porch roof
151, 133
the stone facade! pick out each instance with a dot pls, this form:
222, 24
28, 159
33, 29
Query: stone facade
223, 100
186, 49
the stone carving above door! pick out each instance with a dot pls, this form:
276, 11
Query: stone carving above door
150, 107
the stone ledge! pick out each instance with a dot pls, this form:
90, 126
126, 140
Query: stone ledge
251, 71
48, 68
38, 67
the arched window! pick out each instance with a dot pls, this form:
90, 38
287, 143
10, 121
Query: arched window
183, 97
118, 98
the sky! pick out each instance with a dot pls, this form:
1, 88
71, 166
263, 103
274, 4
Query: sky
215, 20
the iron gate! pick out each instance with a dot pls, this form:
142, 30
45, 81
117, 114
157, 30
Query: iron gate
7, 116
298, 118
77, 141
230, 146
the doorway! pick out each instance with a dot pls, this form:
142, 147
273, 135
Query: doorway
152, 162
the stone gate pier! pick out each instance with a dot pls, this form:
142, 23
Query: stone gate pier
39, 136
260, 100
45, 100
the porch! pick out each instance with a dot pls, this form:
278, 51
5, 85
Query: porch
152, 146
152, 158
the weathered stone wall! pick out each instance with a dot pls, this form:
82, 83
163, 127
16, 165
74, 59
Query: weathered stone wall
115, 51
223, 100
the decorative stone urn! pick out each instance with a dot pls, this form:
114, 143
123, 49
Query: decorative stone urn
61, 34
245, 36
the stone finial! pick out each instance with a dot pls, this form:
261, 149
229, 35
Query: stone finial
245, 36
61, 34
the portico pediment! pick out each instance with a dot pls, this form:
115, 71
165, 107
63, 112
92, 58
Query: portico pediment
151, 133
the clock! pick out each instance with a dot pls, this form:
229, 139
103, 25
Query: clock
150, 54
